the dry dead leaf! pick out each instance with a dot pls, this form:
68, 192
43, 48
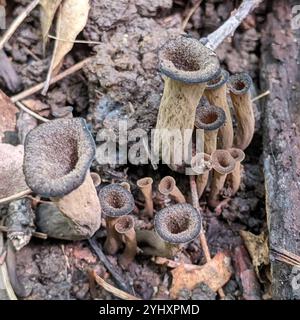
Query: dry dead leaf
74, 16
47, 13
215, 273
35, 105
11, 170
258, 249
8, 113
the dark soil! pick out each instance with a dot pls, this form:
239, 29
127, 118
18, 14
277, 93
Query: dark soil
123, 81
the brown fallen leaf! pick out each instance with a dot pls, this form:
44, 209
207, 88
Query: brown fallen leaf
8, 117
47, 13
11, 170
215, 274
35, 105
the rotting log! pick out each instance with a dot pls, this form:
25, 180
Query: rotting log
280, 73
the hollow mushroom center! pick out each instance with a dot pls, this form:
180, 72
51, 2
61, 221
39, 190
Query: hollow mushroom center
124, 224
235, 154
209, 117
216, 80
167, 186
239, 85
115, 200
224, 162
177, 224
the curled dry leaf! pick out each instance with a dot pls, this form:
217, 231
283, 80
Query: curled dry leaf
47, 13
215, 274
11, 170
8, 117
74, 16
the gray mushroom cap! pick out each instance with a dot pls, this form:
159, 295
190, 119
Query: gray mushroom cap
179, 223
188, 60
209, 117
218, 81
57, 156
240, 83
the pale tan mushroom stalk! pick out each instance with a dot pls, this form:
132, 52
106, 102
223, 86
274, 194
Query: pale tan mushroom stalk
216, 94
209, 118
115, 202
96, 179
234, 178
167, 187
145, 185
203, 175
174, 226
57, 158
188, 66
239, 86
124, 226
223, 164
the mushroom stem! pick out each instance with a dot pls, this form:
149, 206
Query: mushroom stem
216, 94
234, 178
113, 240
167, 187
145, 185
223, 163
239, 86
125, 228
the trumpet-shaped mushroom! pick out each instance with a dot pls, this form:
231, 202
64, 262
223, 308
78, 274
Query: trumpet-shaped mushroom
174, 226
58, 155
96, 179
145, 185
201, 160
239, 85
188, 65
125, 228
115, 202
167, 187
216, 94
210, 119
223, 164
234, 178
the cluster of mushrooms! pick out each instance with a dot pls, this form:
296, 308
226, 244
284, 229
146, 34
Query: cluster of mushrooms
69, 199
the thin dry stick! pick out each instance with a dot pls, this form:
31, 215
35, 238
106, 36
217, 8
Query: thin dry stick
74, 41
29, 111
189, 15
76, 67
108, 287
203, 240
39, 235
16, 196
266, 93
13, 27
228, 28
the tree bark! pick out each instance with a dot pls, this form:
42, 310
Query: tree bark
280, 73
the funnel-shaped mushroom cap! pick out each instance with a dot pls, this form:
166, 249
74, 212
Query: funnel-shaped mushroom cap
209, 117
12, 179
237, 154
116, 201
218, 81
222, 161
166, 185
124, 224
200, 163
240, 83
179, 223
57, 156
188, 60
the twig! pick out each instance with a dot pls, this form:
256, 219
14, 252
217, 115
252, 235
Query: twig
74, 41
121, 283
286, 256
266, 93
13, 27
189, 15
32, 113
76, 67
227, 29
16, 196
39, 235
108, 287
203, 240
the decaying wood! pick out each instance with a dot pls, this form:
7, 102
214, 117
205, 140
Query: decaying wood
281, 74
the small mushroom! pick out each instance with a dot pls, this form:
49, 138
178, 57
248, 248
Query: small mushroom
239, 86
188, 65
216, 94
174, 226
125, 228
96, 179
201, 160
167, 187
210, 119
234, 178
58, 155
115, 202
145, 185
223, 164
